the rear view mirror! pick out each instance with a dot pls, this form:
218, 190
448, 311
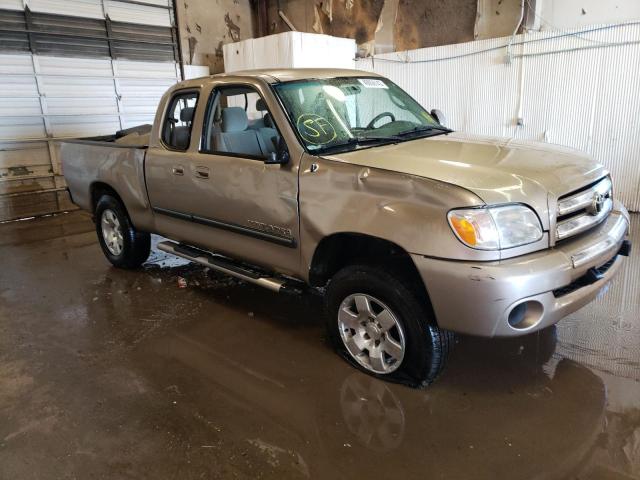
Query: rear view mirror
280, 156
439, 116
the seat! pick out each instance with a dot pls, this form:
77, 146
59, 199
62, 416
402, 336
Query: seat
180, 135
269, 134
266, 127
235, 137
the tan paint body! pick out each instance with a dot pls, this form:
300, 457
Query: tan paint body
400, 192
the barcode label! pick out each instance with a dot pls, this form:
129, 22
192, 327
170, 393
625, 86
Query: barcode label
372, 83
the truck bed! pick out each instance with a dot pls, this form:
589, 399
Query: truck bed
114, 160
131, 137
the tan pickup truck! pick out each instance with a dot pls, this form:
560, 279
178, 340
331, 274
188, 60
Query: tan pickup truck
337, 180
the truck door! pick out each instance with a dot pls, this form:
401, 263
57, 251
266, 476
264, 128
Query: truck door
233, 201
166, 165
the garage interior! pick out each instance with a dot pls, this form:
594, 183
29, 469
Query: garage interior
175, 371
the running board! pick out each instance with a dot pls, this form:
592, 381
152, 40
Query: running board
223, 265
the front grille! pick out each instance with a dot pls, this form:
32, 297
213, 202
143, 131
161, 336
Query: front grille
583, 209
592, 276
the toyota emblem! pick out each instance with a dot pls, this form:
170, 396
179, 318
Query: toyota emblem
597, 203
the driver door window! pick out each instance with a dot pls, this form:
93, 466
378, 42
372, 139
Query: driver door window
238, 123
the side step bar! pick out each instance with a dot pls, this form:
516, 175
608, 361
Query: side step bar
223, 265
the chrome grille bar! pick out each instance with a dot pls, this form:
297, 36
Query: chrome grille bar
583, 199
584, 209
582, 223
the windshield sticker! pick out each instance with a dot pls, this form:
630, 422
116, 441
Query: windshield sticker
315, 129
372, 83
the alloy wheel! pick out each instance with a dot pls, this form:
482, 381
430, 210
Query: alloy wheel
112, 232
371, 332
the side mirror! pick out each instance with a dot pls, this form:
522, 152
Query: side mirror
439, 116
280, 156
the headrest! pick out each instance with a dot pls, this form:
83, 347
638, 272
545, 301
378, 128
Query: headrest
234, 119
186, 114
261, 106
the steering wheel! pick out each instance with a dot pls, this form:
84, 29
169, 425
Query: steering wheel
379, 116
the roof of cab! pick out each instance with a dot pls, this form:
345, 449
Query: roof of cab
277, 75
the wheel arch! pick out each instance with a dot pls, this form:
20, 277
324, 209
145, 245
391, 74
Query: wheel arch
339, 250
98, 189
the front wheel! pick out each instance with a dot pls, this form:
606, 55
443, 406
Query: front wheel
121, 243
380, 324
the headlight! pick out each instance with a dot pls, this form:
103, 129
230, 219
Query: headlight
496, 228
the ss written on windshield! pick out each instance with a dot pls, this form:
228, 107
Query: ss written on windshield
346, 112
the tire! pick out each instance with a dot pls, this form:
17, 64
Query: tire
426, 346
121, 243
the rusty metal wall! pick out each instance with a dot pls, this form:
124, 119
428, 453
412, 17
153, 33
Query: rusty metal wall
380, 25
205, 26
577, 88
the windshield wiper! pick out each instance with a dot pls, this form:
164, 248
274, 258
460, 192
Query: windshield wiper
370, 138
364, 140
421, 129
384, 140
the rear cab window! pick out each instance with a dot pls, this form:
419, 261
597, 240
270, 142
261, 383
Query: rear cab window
178, 123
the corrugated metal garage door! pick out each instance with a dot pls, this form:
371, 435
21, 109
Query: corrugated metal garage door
71, 68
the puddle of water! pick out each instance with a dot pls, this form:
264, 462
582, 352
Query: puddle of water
162, 259
496, 413
252, 368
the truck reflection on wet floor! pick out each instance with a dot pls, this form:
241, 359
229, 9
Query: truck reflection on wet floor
258, 368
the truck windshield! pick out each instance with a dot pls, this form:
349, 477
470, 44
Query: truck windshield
337, 114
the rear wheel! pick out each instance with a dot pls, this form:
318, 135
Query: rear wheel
121, 243
381, 324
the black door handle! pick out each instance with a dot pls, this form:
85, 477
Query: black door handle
202, 172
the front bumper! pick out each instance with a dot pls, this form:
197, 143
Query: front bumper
479, 298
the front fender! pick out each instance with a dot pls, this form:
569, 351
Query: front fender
407, 210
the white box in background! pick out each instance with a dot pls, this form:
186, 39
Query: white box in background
290, 50
195, 71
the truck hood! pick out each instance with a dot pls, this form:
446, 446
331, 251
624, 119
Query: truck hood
496, 170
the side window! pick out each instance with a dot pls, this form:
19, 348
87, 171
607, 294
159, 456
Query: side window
176, 130
238, 123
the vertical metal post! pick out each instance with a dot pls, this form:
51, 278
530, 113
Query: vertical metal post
44, 109
42, 97
114, 67
532, 15
35, 64
175, 34
28, 23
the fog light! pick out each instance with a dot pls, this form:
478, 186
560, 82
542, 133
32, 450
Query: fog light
525, 315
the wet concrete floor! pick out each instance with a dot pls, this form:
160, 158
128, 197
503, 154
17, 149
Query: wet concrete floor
107, 373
